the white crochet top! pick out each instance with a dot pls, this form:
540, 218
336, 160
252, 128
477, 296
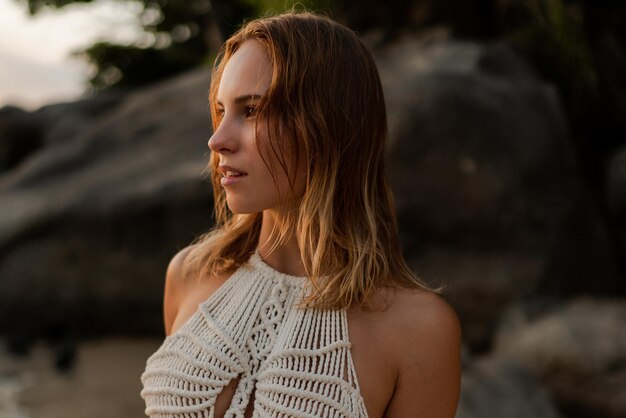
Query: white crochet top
296, 361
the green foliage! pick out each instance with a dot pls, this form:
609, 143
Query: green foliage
129, 66
277, 6
176, 38
552, 34
35, 5
555, 30
180, 34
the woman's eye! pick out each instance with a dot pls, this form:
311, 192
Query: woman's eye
250, 111
220, 112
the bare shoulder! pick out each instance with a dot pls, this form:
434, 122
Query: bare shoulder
427, 345
182, 294
422, 310
175, 287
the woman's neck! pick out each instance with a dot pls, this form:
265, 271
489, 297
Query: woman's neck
286, 256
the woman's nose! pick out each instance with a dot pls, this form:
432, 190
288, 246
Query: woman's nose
223, 139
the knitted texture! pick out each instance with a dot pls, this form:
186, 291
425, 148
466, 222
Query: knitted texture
297, 362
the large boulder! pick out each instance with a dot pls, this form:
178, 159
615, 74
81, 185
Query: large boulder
495, 387
489, 195
577, 349
89, 221
22, 133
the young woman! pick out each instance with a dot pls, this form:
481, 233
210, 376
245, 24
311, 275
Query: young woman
299, 303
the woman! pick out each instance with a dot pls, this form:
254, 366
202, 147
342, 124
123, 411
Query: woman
257, 311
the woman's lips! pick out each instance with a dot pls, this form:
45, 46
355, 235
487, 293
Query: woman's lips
230, 175
228, 180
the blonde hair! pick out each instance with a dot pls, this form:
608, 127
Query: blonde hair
325, 96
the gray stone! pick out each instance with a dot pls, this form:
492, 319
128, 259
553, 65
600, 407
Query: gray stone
20, 135
577, 349
88, 222
489, 196
493, 387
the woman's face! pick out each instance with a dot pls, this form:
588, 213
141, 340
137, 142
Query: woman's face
250, 187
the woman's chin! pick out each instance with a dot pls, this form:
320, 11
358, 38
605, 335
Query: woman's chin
241, 209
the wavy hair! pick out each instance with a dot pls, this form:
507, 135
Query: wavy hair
325, 100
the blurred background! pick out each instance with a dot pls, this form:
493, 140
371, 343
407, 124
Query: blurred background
507, 159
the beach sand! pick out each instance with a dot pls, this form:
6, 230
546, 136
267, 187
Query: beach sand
104, 381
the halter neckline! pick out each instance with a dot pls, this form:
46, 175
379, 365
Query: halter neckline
257, 261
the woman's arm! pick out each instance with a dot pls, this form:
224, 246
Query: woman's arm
429, 353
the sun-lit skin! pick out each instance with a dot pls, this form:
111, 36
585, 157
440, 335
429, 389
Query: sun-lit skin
248, 73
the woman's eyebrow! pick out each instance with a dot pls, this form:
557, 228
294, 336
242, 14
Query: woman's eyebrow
244, 98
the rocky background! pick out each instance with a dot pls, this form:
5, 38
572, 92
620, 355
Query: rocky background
497, 194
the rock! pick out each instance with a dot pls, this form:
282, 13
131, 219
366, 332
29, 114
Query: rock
489, 195
481, 286
89, 222
20, 135
493, 387
577, 349
64, 121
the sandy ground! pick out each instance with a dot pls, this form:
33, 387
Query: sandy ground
104, 381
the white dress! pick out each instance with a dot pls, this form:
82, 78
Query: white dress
296, 361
